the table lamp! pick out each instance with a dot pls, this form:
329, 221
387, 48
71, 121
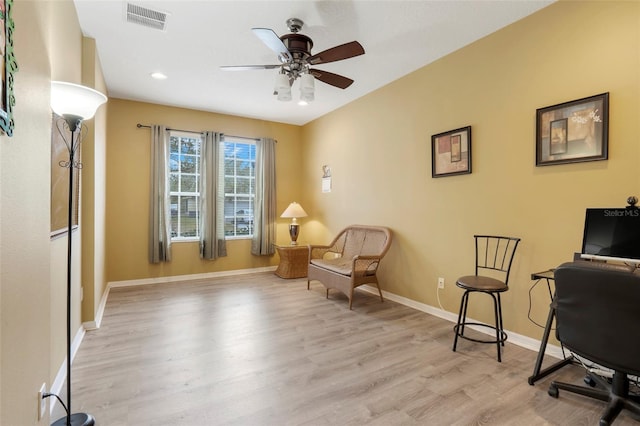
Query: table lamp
294, 211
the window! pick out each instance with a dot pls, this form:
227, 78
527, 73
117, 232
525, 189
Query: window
239, 186
184, 190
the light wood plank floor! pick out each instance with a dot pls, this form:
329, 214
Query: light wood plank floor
259, 350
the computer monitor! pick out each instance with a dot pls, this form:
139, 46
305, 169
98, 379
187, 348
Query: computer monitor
612, 235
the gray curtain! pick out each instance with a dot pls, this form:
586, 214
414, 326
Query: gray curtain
212, 242
159, 216
264, 210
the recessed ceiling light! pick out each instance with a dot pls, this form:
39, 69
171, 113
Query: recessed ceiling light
158, 76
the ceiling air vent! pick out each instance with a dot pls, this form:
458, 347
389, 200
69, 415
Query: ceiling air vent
146, 17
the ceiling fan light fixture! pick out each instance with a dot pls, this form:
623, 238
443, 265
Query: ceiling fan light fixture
307, 89
283, 88
307, 84
282, 83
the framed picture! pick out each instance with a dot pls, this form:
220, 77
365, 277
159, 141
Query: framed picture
451, 152
8, 66
573, 132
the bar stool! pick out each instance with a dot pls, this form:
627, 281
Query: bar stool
494, 255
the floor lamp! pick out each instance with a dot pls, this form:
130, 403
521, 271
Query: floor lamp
73, 103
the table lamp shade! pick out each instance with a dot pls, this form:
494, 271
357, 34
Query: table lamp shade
294, 211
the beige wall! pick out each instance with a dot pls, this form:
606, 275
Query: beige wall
93, 196
128, 153
24, 224
48, 46
379, 150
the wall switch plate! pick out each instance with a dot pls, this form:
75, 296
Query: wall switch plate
42, 402
440, 282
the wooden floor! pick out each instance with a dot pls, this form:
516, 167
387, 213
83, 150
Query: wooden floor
260, 350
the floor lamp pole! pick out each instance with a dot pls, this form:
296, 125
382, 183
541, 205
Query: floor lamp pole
75, 126
69, 265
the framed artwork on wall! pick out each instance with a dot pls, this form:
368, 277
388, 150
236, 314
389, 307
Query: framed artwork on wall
574, 131
451, 152
8, 66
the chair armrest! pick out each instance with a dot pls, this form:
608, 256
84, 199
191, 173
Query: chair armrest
365, 263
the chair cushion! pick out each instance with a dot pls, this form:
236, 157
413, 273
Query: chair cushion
481, 283
339, 265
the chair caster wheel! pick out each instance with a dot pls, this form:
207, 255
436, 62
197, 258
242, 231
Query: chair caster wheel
589, 381
553, 391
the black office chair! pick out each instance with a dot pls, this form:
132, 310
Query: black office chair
598, 318
494, 256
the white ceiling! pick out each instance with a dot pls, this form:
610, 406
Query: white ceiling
398, 37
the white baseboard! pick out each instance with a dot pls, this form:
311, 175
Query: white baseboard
515, 338
92, 325
159, 280
58, 382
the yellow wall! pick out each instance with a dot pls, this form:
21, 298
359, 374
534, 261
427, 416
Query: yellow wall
128, 154
379, 150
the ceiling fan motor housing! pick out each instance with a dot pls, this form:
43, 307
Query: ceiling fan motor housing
298, 43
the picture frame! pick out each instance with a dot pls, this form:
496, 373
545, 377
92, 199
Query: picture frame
574, 131
451, 153
8, 66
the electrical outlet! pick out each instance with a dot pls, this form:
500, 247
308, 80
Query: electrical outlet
440, 282
42, 402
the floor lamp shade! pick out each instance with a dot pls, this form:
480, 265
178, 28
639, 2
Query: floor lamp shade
294, 211
68, 99
73, 103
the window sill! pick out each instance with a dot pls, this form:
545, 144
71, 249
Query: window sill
185, 240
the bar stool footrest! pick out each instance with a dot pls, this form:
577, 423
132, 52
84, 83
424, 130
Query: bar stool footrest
503, 335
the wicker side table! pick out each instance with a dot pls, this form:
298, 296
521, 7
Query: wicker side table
293, 261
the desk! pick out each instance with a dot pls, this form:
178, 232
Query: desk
539, 373
294, 261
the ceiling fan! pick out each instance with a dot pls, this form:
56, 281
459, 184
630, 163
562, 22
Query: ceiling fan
294, 54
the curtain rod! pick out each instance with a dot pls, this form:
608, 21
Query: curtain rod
192, 131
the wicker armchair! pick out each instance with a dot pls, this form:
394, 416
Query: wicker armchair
350, 260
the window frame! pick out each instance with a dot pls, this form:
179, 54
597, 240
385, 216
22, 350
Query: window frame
196, 175
239, 219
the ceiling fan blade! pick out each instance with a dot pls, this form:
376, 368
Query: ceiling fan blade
331, 78
248, 67
273, 42
338, 53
